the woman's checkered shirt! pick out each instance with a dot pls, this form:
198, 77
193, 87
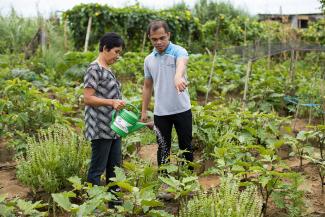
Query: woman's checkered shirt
98, 119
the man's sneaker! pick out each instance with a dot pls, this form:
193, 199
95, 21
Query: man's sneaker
113, 203
163, 194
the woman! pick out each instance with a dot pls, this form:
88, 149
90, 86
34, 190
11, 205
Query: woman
102, 94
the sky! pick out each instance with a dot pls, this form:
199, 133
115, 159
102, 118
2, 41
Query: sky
45, 7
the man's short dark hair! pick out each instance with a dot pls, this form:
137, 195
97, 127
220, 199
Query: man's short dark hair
109, 41
154, 25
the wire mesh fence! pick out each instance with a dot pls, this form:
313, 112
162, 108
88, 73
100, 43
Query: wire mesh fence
260, 50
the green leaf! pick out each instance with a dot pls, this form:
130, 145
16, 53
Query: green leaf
278, 143
3, 197
76, 182
264, 180
97, 190
129, 166
89, 206
7, 211
125, 185
237, 168
159, 213
62, 201
151, 203
189, 179
128, 206
119, 175
171, 181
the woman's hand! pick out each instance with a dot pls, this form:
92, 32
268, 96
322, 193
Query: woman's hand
118, 104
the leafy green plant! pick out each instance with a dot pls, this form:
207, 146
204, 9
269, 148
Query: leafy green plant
273, 182
218, 124
300, 144
180, 188
228, 201
90, 199
51, 157
14, 207
289, 197
130, 22
320, 164
320, 136
137, 200
262, 166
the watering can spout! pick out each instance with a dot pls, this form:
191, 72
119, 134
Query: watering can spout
137, 126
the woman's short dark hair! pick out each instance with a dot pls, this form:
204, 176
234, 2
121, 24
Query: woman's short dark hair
157, 24
109, 41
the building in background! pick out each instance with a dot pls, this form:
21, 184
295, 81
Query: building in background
300, 21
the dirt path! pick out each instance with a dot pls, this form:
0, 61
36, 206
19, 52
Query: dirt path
8, 182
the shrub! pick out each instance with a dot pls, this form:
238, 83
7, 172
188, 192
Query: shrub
53, 156
228, 201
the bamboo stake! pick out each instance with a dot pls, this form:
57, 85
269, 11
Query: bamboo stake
248, 71
65, 35
269, 54
210, 78
43, 37
88, 34
144, 41
292, 69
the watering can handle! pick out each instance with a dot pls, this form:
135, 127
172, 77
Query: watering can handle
135, 108
128, 104
113, 114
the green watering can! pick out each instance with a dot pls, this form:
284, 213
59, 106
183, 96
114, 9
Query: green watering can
126, 121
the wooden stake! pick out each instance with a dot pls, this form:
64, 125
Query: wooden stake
88, 34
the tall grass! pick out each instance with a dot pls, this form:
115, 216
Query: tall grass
16, 32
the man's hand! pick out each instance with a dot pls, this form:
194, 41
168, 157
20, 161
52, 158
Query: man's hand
144, 116
118, 104
150, 124
180, 83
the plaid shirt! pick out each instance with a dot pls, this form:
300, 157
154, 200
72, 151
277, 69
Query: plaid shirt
98, 119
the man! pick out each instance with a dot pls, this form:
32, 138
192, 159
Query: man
165, 73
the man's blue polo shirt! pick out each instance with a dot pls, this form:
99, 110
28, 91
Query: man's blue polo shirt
161, 68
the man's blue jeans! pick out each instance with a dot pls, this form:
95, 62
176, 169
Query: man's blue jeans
105, 154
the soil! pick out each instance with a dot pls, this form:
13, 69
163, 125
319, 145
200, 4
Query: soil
8, 182
149, 153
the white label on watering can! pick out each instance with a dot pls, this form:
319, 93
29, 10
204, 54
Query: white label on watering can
122, 124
